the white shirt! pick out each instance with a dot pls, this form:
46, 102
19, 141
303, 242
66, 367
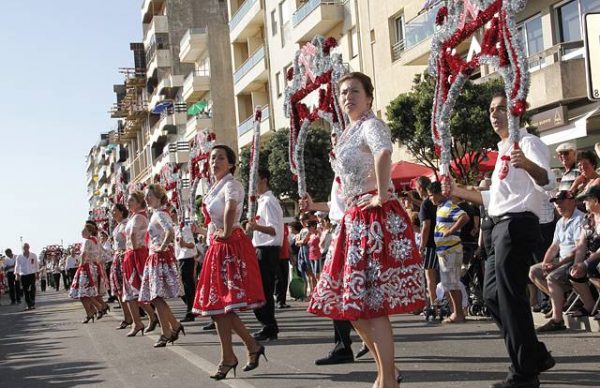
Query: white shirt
185, 235
107, 252
9, 264
518, 192
223, 191
70, 262
27, 265
336, 203
269, 214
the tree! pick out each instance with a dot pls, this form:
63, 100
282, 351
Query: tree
410, 123
274, 156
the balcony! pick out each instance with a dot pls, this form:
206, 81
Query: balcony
193, 45
316, 17
158, 25
159, 58
252, 74
195, 124
148, 9
167, 125
246, 21
415, 48
195, 85
244, 130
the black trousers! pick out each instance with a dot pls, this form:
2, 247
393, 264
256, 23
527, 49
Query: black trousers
343, 342
267, 261
71, 273
56, 277
186, 269
12, 287
65, 279
28, 283
43, 282
505, 293
282, 279
107, 267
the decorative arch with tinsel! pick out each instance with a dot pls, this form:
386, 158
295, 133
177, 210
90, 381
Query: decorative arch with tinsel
501, 47
315, 68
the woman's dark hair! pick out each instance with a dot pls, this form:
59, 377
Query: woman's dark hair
122, 209
364, 79
589, 156
296, 226
231, 158
91, 227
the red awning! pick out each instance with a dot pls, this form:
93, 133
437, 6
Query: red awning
487, 162
404, 172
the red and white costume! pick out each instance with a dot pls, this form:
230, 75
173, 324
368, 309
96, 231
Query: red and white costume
230, 279
373, 267
134, 259
119, 247
161, 276
85, 281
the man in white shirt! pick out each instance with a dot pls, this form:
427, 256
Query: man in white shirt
26, 269
13, 284
267, 239
515, 204
70, 267
185, 251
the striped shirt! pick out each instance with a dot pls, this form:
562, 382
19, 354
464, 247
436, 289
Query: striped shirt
568, 178
447, 214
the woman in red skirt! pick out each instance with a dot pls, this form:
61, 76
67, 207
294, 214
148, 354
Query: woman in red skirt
85, 282
374, 268
134, 261
230, 280
160, 279
119, 214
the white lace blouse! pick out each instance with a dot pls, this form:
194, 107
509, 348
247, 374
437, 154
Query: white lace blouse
160, 224
137, 225
355, 152
119, 236
90, 252
225, 190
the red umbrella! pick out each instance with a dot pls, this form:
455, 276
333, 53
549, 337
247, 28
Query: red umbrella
404, 172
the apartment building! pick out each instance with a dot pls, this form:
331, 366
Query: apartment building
98, 174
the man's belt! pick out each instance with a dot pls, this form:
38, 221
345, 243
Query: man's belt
513, 216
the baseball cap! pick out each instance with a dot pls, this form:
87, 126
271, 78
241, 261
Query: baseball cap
563, 194
592, 192
566, 147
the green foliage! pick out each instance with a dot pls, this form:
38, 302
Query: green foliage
274, 157
409, 118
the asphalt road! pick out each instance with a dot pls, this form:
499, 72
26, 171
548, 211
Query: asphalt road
49, 347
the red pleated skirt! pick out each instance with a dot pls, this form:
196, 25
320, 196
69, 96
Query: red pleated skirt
84, 283
133, 268
373, 267
116, 275
230, 279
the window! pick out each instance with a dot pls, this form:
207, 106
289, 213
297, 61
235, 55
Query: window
354, 48
399, 29
274, 22
397, 36
533, 38
278, 83
569, 26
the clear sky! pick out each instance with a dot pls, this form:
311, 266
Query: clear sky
59, 62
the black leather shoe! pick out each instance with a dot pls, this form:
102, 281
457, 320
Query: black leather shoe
336, 358
188, 318
510, 383
547, 363
262, 336
210, 326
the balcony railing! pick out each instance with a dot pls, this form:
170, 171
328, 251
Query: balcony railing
302, 12
256, 57
188, 34
243, 10
247, 124
557, 53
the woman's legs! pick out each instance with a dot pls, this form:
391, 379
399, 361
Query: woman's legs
89, 311
168, 323
242, 331
583, 290
126, 314
363, 328
377, 334
134, 312
148, 309
224, 328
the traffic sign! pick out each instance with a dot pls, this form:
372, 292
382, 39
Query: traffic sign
592, 51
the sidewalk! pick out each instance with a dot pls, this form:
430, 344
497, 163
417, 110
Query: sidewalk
50, 347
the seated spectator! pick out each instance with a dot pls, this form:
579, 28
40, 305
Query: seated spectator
587, 256
587, 164
551, 276
449, 220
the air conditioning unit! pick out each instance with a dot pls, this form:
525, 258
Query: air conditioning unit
183, 152
173, 153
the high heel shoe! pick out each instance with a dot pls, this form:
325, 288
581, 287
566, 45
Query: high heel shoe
106, 310
123, 325
175, 335
99, 314
223, 370
254, 359
152, 325
162, 342
87, 319
134, 331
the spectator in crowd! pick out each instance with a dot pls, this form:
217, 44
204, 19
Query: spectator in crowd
551, 276
567, 154
185, 251
587, 163
27, 270
587, 256
449, 220
43, 272
70, 267
325, 234
427, 216
282, 271
13, 284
